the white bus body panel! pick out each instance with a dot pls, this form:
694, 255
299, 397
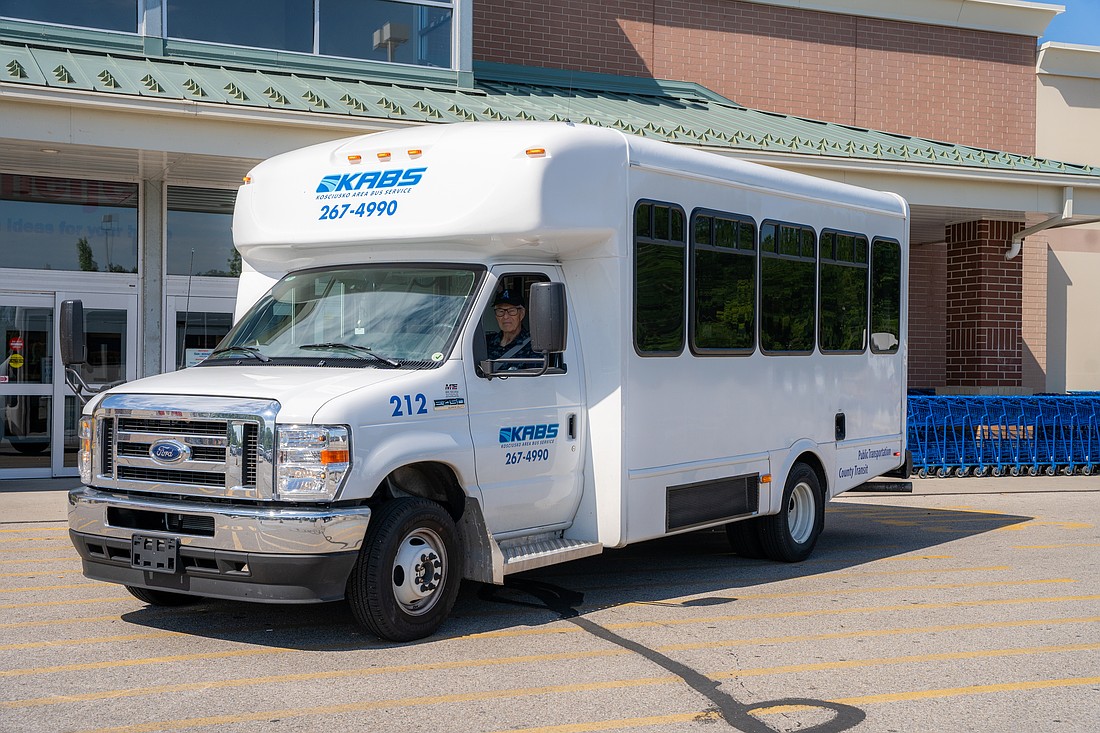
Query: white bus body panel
478, 194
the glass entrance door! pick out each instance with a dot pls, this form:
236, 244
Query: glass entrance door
26, 385
195, 326
110, 330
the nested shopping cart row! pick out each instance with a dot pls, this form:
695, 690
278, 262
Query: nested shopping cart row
988, 435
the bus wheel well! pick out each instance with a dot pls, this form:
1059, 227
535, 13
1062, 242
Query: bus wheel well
429, 480
814, 462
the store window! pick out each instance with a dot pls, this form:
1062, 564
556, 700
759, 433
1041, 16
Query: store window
286, 25
200, 234
382, 30
68, 224
111, 15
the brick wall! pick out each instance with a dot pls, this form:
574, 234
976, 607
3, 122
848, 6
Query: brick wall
927, 316
963, 86
984, 306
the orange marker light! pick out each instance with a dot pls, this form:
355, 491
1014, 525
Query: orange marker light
247, 179
414, 153
354, 158
384, 157
334, 456
766, 478
536, 152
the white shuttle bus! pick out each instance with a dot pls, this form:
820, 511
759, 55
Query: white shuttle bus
465, 351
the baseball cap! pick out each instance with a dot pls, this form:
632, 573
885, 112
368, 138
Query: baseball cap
510, 297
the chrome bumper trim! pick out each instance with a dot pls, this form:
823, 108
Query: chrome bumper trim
275, 530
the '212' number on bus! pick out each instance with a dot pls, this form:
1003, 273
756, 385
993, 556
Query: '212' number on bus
403, 406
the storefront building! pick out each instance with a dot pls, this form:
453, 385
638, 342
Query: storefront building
125, 128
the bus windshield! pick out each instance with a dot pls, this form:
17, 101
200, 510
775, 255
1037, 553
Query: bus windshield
373, 315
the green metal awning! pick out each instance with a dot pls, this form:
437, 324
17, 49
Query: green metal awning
676, 112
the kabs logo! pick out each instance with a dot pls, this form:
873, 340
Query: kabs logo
522, 433
371, 179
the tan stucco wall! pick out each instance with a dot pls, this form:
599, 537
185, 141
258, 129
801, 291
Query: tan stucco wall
1068, 129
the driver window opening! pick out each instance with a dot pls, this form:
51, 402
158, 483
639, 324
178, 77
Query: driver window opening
506, 324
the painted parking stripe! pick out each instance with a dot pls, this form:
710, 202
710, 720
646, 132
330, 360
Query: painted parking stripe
539, 658
409, 702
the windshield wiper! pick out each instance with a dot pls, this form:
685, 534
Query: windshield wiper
254, 353
365, 350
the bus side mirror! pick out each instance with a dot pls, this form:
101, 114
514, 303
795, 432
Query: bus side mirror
73, 348
547, 312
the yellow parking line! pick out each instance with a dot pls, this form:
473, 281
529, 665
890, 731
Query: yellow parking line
91, 640
533, 658
38, 573
710, 716
67, 586
1056, 546
76, 602
869, 633
831, 592
35, 529
570, 629
591, 686
57, 621
91, 666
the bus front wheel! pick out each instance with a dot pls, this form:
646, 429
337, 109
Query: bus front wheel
409, 569
790, 535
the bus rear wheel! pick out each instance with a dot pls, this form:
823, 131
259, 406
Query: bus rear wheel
790, 535
407, 576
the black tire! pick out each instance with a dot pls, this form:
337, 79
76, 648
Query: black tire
162, 597
744, 538
408, 539
790, 535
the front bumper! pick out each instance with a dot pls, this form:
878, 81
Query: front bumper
257, 553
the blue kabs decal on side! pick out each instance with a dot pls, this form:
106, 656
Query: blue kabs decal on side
522, 433
371, 180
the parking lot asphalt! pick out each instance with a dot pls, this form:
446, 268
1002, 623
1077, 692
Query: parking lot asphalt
960, 603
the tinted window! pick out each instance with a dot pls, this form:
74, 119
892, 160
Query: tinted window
723, 283
200, 235
787, 278
658, 279
885, 296
112, 15
843, 290
68, 224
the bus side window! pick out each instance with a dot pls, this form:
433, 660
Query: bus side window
885, 296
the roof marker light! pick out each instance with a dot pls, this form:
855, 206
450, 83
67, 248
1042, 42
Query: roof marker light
247, 179
355, 158
766, 478
384, 157
536, 152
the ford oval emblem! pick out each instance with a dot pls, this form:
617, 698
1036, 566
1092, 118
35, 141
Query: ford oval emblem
169, 451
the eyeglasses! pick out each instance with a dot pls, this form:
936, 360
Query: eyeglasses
502, 312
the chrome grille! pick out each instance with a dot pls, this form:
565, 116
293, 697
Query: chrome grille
213, 449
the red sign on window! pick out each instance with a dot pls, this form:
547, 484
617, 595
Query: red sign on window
16, 344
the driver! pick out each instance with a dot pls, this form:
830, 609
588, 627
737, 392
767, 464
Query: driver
512, 341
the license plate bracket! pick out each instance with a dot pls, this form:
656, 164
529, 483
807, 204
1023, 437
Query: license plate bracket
155, 554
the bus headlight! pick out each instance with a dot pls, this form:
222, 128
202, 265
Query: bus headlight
85, 431
311, 461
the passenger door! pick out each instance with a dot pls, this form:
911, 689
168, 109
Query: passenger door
528, 432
